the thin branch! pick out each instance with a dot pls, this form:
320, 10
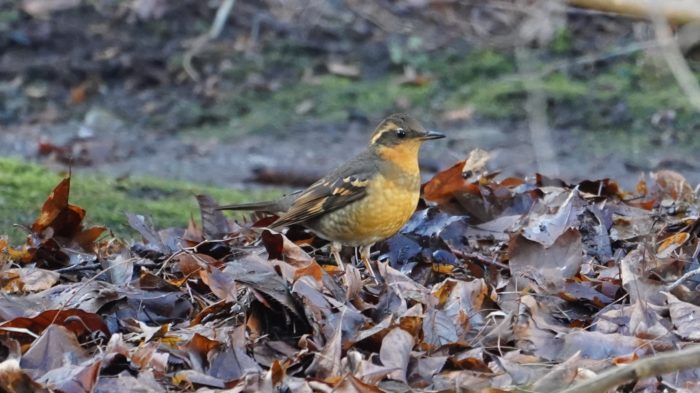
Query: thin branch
220, 19
480, 258
200, 42
675, 11
664, 363
536, 108
689, 274
557, 66
683, 278
674, 57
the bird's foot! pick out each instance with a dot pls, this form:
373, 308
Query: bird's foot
365, 258
335, 251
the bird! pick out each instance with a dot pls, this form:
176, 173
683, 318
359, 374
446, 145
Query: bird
364, 200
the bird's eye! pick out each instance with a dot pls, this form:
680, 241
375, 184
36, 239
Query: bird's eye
400, 132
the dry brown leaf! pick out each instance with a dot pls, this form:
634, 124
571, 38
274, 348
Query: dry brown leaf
396, 352
685, 318
27, 279
671, 244
43, 8
547, 228
343, 69
222, 284
548, 266
459, 114
672, 185
46, 352
476, 162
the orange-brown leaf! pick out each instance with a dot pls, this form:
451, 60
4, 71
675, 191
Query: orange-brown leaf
448, 183
80, 322
671, 243
64, 218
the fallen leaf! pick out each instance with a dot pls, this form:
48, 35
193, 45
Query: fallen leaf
671, 244
14, 379
43, 8
672, 185
685, 318
47, 352
343, 69
459, 114
547, 228
214, 223
79, 322
27, 279
222, 284
326, 362
261, 277
396, 352
475, 162
548, 266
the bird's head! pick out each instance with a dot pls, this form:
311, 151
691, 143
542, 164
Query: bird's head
401, 129
399, 137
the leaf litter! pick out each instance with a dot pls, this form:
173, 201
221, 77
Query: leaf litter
495, 283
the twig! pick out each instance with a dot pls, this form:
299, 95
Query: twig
480, 258
674, 57
84, 285
687, 275
198, 44
77, 268
656, 365
675, 11
550, 68
536, 108
186, 250
220, 19
168, 259
580, 61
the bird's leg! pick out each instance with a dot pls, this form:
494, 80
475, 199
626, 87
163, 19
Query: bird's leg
335, 251
364, 255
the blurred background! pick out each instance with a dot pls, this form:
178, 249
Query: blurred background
150, 101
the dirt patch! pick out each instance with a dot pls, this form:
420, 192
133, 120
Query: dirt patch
293, 91
307, 151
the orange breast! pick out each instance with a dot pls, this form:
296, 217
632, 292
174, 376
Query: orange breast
389, 204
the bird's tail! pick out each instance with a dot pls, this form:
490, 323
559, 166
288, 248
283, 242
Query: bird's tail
266, 206
273, 207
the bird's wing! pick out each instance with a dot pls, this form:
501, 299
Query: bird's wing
343, 186
277, 207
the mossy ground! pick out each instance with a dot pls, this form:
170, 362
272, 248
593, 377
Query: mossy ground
620, 95
615, 104
106, 200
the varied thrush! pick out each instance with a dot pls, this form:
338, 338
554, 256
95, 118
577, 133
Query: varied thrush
365, 200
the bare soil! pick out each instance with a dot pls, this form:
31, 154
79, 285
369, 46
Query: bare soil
114, 98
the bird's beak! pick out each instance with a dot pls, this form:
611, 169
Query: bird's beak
428, 135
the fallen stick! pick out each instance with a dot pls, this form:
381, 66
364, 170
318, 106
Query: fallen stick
663, 363
675, 11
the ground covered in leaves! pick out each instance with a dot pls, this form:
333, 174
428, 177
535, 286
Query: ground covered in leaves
502, 283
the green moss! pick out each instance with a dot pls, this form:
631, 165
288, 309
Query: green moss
499, 99
617, 93
454, 70
505, 98
560, 86
8, 16
331, 98
106, 200
338, 95
562, 42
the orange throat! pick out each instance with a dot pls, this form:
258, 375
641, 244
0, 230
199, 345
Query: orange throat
404, 156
